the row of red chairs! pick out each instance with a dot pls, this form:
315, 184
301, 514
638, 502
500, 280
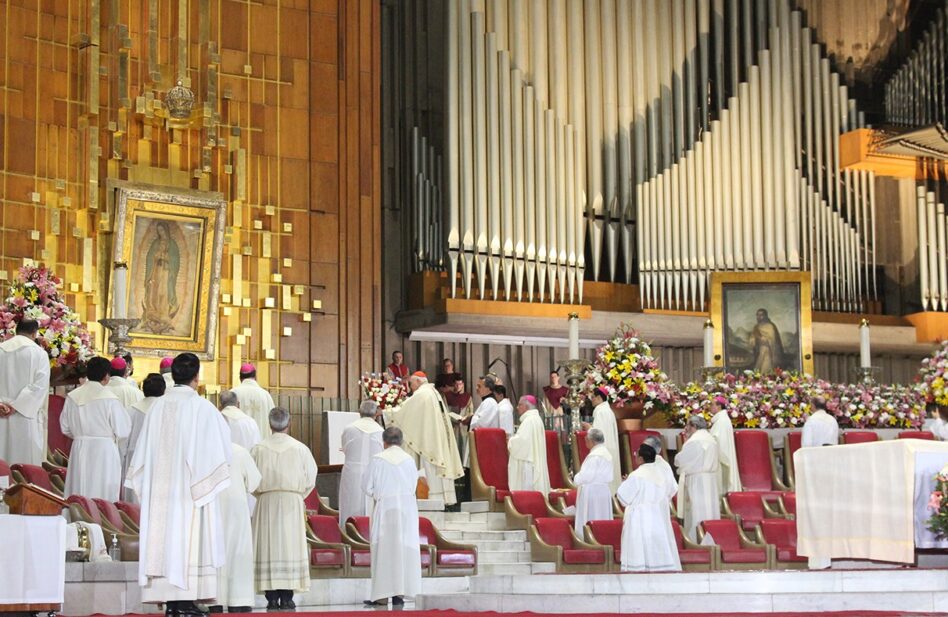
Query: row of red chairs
120, 518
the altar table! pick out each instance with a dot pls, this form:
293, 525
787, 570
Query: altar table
32, 560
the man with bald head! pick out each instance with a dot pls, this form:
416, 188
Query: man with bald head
594, 497
699, 476
820, 429
361, 440
255, 401
526, 467
243, 429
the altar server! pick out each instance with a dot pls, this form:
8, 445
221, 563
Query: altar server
99, 426
428, 435
24, 387
361, 440
487, 414
153, 387
390, 480
936, 423
698, 476
605, 420
164, 367
723, 432
820, 429
505, 410
594, 497
254, 400
288, 475
243, 429
236, 589
648, 540
120, 386
526, 469
181, 465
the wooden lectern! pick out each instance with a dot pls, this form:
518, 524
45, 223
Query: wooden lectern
31, 500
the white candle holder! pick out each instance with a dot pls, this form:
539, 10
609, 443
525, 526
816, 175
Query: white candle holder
709, 374
866, 375
118, 334
575, 375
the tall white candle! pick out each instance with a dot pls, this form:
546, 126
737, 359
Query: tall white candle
119, 298
573, 336
708, 343
865, 358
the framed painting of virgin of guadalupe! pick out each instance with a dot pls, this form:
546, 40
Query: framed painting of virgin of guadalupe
171, 242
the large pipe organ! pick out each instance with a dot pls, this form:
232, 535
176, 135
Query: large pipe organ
636, 141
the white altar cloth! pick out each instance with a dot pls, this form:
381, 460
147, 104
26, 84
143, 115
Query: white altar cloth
858, 501
33, 559
336, 422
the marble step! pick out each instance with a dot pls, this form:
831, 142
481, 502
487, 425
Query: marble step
499, 545
475, 506
486, 557
514, 569
513, 535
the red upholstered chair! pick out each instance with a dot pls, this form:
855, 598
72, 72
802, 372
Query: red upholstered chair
4, 469
580, 449
553, 539
86, 510
738, 552
556, 463
329, 556
629, 443
327, 529
58, 444
695, 557
22, 473
450, 558
522, 508
561, 500
357, 528
850, 437
315, 505
782, 535
111, 517
916, 435
131, 513
747, 508
57, 476
606, 533
791, 443
755, 463
788, 504
489, 467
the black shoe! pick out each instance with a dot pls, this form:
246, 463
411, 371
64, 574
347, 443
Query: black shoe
239, 609
183, 609
382, 602
217, 608
398, 601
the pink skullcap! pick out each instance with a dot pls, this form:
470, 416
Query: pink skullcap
119, 364
247, 367
602, 393
720, 399
165, 362
421, 374
531, 399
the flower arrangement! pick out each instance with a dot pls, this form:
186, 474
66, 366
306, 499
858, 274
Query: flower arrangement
938, 523
35, 295
382, 388
782, 400
933, 375
626, 369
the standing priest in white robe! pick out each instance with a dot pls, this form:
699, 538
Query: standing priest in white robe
487, 414
119, 384
648, 540
594, 496
236, 589
605, 420
164, 368
243, 429
99, 426
820, 429
390, 481
255, 401
428, 434
723, 432
505, 411
181, 465
361, 440
526, 467
699, 476
288, 475
24, 388
153, 387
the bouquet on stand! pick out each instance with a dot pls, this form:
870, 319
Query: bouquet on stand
938, 523
932, 377
626, 369
384, 389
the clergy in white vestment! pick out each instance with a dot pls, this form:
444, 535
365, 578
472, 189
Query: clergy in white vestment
526, 466
24, 388
605, 420
390, 482
936, 423
153, 387
120, 386
288, 475
487, 414
181, 464
254, 400
594, 481
699, 476
648, 540
505, 410
243, 429
429, 435
99, 426
164, 367
820, 429
723, 432
361, 440
236, 588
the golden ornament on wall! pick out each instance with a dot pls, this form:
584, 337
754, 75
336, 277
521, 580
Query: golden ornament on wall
179, 101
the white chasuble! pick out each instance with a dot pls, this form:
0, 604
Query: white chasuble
486, 415
526, 469
699, 478
821, 429
390, 481
243, 429
24, 385
361, 440
181, 464
648, 540
605, 420
505, 416
723, 432
124, 390
236, 578
256, 403
288, 475
594, 480
99, 427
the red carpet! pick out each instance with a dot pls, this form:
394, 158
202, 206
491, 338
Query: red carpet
413, 613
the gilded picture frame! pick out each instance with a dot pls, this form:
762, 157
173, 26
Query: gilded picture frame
172, 241
762, 321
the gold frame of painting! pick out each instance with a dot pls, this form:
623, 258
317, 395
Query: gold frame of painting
803, 279
172, 241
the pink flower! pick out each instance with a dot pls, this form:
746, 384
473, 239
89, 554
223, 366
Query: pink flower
934, 502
